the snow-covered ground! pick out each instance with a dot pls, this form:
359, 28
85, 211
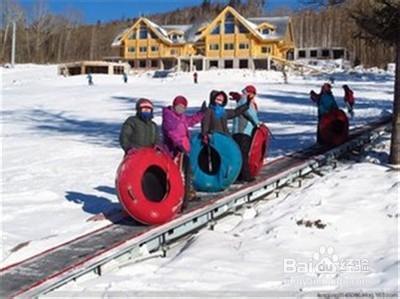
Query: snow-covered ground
60, 152
335, 234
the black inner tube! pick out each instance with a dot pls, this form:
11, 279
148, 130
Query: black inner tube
209, 160
154, 183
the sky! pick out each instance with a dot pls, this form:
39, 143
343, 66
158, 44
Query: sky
107, 10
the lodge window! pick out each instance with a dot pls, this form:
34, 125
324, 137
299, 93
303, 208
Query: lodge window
242, 29
176, 37
216, 30
143, 33
143, 49
213, 63
313, 53
214, 47
228, 64
229, 47
154, 63
243, 63
229, 26
118, 70
142, 63
152, 35
325, 53
132, 35
243, 46
265, 31
154, 48
265, 50
302, 54
338, 54
131, 49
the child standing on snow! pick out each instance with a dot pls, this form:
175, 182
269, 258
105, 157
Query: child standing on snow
216, 116
175, 128
243, 126
125, 77
349, 99
139, 130
195, 77
325, 102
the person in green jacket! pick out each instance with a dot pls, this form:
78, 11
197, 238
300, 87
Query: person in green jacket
139, 130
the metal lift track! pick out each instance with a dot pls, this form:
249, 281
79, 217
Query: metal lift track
98, 251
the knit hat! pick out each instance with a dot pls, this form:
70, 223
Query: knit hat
250, 89
180, 100
144, 103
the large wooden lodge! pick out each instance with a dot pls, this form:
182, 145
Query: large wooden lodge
228, 41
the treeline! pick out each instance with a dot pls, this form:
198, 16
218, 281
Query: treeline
43, 37
333, 26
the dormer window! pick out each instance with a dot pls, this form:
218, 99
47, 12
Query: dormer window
265, 31
176, 37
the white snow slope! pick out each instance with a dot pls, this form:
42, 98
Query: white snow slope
60, 152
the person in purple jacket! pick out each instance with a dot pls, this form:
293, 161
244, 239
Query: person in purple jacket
175, 129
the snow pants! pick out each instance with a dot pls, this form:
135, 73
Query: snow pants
244, 142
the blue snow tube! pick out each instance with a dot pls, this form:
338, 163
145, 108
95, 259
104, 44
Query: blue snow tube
217, 165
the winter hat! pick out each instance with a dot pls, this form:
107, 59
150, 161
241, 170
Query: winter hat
327, 87
250, 89
144, 103
216, 93
180, 100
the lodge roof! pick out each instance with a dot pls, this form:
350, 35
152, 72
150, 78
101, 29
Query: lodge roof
190, 31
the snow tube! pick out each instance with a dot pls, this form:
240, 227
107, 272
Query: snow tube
334, 127
258, 149
217, 165
149, 186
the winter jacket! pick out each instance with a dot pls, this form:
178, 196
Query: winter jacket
175, 129
349, 97
245, 122
137, 133
211, 123
326, 104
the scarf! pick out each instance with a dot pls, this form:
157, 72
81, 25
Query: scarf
219, 111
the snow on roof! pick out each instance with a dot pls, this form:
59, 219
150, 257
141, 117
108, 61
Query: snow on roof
280, 24
190, 30
182, 28
252, 26
117, 40
159, 28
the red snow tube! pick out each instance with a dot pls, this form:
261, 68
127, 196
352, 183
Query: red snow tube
258, 149
334, 127
150, 186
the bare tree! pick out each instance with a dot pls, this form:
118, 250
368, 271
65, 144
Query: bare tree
380, 20
10, 12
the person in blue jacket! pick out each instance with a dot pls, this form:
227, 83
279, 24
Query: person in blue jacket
243, 127
325, 102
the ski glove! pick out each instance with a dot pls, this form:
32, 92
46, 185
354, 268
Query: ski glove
203, 107
235, 96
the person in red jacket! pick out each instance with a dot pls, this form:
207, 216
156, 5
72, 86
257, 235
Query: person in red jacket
349, 99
